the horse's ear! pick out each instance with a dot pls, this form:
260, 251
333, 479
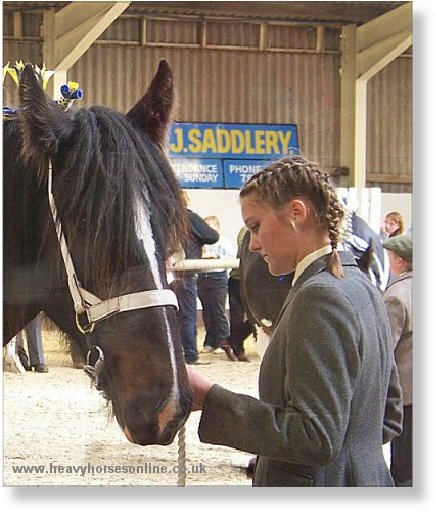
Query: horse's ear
44, 123
153, 110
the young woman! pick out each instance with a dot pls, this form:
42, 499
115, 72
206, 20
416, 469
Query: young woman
329, 394
393, 225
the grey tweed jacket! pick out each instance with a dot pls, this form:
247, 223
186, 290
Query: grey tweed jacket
329, 393
398, 301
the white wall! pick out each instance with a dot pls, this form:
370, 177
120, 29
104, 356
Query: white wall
222, 203
401, 203
225, 205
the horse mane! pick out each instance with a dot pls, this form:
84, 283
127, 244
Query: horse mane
103, 168
105, 164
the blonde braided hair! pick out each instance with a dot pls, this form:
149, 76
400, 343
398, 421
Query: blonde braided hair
293, 177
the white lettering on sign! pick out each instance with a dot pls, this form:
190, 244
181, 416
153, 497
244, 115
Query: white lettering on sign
244, 169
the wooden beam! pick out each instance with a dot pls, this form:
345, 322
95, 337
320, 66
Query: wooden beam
360, 135
144, 31
384, 26
203, 34
73, 40
405, 179
364, 52
382, 40
18, 26
263, 37
320, 39
348, 100
376, 57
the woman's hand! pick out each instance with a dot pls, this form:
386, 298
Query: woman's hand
201, 387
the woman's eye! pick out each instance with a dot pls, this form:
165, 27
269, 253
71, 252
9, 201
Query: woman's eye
254, 228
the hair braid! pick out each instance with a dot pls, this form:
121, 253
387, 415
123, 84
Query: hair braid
294, 176
335, 215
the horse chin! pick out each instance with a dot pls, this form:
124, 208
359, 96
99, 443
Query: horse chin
149, 438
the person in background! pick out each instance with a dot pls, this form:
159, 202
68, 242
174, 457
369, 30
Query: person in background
185, 283
36, 359
398, 301
393, 225
213, 291
240, 326
329, 393
11, 361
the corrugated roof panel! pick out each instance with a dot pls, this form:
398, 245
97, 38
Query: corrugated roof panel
232, 34
281, 37
31, 24
123, 29
173, 31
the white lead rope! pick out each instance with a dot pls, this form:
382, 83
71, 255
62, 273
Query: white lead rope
181, 478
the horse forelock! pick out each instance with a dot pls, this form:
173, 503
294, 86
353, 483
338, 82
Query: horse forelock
107, 166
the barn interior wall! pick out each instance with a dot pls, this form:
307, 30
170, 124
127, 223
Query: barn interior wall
293, 85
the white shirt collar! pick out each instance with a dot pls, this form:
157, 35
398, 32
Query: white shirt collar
310, 258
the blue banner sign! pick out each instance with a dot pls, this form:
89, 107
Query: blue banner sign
211, 155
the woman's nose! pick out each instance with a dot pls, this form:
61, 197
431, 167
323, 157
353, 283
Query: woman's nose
254, 245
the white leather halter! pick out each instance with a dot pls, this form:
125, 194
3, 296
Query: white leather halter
84, 301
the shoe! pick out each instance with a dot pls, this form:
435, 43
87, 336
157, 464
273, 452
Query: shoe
24, 360
228, 350
41, 368
198, 363
208, 349
250, 470
11, 360
242, 357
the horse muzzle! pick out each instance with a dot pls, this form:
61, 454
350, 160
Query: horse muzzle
145, 425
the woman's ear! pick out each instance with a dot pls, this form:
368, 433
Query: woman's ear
297, 212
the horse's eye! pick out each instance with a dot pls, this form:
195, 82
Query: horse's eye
81, 225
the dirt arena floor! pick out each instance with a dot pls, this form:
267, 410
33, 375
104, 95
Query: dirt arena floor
56, 431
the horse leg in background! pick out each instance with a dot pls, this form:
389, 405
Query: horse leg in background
77, 356
262, 342
11, 361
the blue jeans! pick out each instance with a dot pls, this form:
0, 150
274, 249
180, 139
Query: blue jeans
212, 292
186, 292
34, 342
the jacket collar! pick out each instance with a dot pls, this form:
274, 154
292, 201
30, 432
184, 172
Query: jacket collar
402, 277
320, 265
316, 267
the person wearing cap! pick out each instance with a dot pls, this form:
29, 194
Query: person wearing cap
398, 301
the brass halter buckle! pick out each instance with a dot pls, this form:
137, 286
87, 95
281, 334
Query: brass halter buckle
84, 329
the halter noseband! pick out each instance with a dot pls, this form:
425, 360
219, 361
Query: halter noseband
96, 309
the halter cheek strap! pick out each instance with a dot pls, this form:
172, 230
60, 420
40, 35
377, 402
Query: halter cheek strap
86, 302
